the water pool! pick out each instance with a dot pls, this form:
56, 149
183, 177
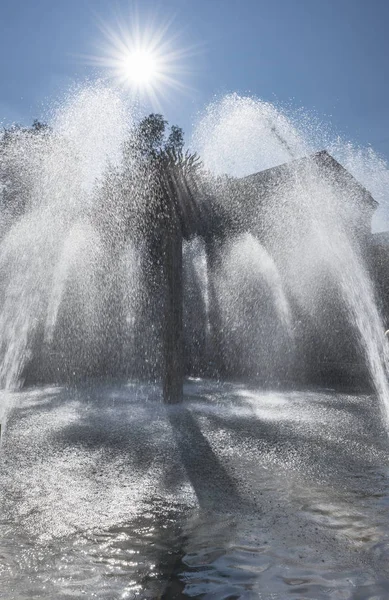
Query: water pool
239, 493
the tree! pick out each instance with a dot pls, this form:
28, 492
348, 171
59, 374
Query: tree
175, 141
170, 215
152, 139
21, 149
150, 198
39, 127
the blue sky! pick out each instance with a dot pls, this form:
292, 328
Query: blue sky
328, 56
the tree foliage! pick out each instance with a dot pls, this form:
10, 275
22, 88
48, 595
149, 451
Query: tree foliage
20, 150
156, 142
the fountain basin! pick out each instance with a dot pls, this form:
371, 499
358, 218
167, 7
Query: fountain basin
238, 493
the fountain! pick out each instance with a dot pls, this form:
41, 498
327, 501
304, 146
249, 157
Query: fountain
88, 222
234, 283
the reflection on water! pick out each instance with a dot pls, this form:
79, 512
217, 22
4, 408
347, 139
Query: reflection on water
106, 493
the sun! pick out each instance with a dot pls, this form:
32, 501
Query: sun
140, 67
144, 58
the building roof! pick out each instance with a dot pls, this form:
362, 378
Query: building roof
326, 163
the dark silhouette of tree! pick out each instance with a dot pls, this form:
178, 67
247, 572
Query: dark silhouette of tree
150, 135
152, 139
175, 141
171, 215
39, 127
17, 145
150, 200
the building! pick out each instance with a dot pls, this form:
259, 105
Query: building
307, 214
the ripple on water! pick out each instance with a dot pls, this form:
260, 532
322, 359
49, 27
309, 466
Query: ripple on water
123, 516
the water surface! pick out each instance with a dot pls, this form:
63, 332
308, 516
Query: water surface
239, 493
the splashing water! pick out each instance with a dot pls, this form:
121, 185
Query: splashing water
308, 222
254, 308
40, 250
75, 290
239, 136
248, 258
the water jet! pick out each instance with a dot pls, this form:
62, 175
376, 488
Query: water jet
238, 290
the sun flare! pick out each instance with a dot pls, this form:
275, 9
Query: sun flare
140, 67
143, 58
